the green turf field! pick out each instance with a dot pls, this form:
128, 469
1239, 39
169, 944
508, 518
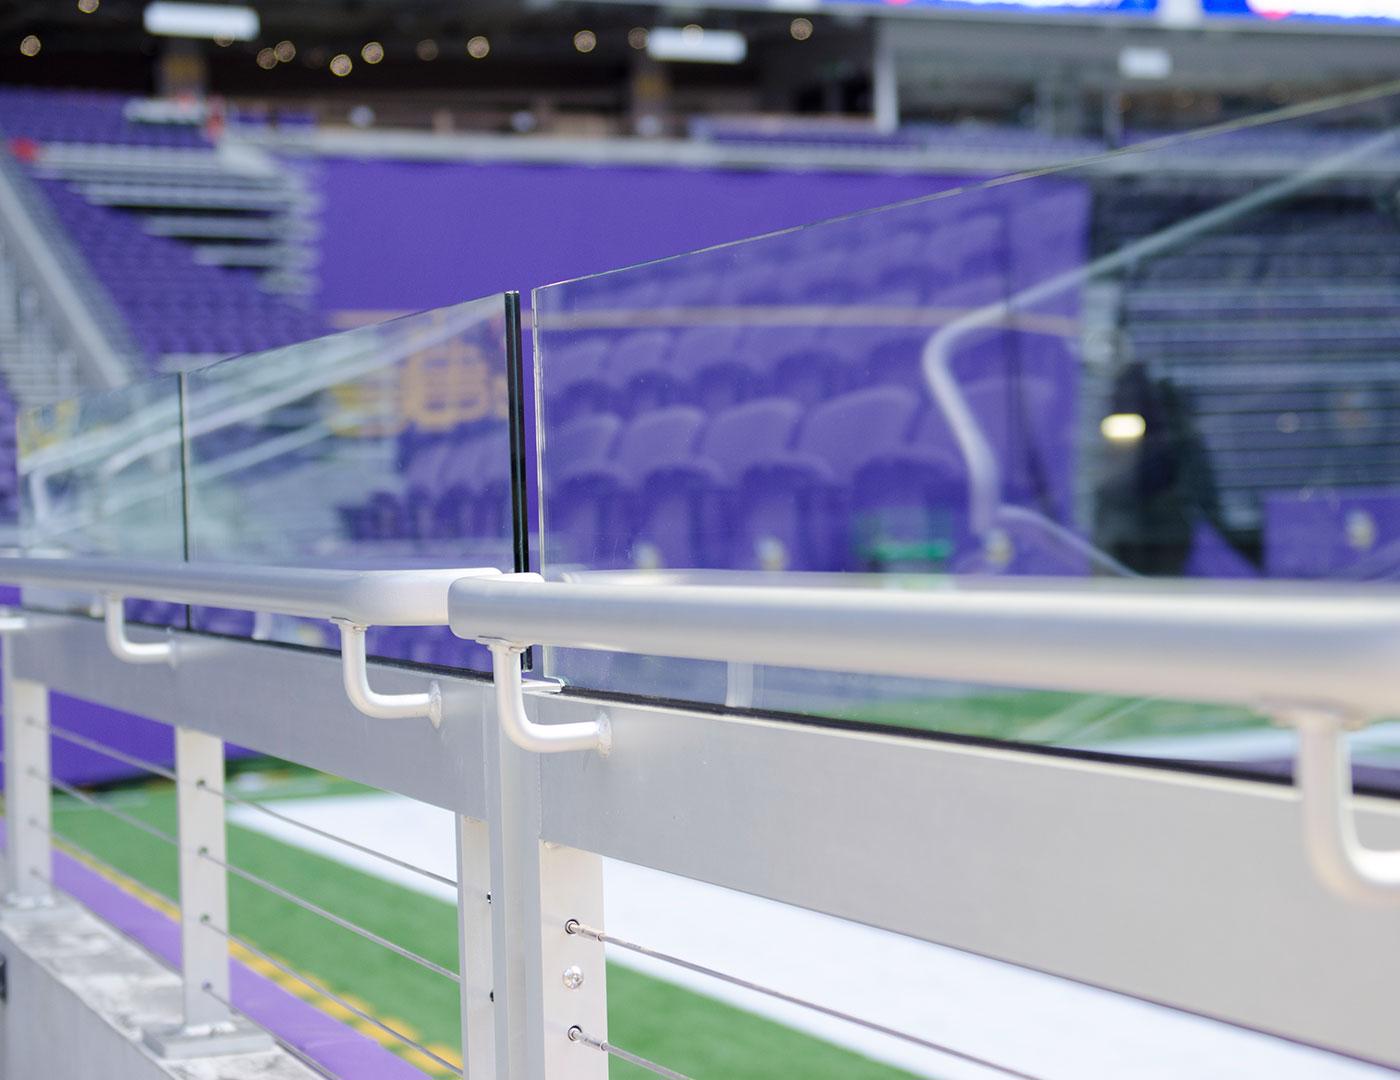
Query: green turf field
677, 1027
1048, 719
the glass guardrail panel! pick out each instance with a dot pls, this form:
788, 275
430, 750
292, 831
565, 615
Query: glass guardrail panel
388, 446
100, 475
1175, 360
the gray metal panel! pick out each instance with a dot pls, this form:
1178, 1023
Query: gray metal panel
1188, 890
282, 701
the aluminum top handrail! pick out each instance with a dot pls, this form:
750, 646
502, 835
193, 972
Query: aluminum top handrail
360, 597
1251, 649
1319, 663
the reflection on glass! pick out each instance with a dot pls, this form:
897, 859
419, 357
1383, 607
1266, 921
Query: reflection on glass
1174, 361
386, 446
100, 475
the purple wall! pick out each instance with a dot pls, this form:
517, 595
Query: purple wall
414, 235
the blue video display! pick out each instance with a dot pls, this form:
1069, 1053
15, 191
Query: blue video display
1023, 7
1317, 11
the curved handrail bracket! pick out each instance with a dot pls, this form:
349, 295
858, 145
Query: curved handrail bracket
1323, 779
355, 671
123, 648
519, 728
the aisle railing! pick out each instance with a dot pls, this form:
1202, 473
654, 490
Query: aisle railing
1062, 864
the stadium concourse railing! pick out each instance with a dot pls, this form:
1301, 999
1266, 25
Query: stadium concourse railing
1189, 890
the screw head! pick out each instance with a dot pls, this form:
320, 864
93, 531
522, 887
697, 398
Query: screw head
573, 977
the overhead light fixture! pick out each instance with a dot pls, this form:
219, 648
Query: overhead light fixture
201, 21
697, 46
1123, 427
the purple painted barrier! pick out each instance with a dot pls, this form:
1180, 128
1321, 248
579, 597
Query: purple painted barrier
412, 235
340, 1049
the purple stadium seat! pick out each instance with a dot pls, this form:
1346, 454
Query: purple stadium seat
572, 451
598, 504
578, 384
794, 512
688, 501
639, 372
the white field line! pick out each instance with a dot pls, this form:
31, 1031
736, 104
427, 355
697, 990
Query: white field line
1037, 1023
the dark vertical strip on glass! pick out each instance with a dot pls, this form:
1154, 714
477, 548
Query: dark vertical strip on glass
519, 475
182, 398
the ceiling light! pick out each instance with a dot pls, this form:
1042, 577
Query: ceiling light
705, 47
201, 21
1123, 427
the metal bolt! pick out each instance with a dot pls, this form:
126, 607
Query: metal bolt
573, 977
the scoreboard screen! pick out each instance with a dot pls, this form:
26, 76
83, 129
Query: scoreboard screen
1315, 11
1020, 7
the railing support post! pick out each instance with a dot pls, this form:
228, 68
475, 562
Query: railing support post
28, 795
474, 949
513, 795
547, 981
209, 1026
575, 969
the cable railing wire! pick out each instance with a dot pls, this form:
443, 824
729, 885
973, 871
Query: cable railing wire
98, 804
84, 855
169, 774
573, 926
330, 916
292, 973
254, 879
260, 808
578, 1035
102, 748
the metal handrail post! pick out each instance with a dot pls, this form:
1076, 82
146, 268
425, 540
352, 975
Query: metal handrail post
209, 1026
28, 795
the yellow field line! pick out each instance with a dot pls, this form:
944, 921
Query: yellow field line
309, 993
